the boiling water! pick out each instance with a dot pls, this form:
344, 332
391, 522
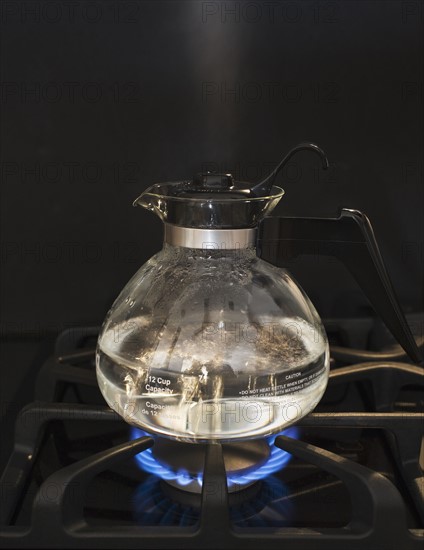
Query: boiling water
199, 392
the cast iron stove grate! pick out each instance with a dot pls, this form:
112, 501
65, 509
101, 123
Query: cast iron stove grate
384, 510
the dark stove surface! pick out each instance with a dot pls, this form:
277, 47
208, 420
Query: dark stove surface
354, 479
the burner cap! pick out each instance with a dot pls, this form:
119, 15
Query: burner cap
239, 458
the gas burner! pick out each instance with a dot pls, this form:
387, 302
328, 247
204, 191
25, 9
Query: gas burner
156, 502
182, 464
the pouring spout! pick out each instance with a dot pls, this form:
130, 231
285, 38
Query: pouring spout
151, 199
144, 200
264, 187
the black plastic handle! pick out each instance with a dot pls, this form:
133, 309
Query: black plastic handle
350, 238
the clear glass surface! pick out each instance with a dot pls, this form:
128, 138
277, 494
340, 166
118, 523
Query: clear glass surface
212, 345
181, 203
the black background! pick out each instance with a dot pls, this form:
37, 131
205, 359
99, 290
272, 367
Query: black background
101, 99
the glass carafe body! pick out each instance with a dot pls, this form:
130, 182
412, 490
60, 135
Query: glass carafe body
206, 345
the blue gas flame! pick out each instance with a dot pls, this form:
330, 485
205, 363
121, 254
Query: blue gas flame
276, 461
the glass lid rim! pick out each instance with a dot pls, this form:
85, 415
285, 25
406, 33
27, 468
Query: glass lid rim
277, 195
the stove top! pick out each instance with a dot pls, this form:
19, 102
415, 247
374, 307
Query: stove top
349, 476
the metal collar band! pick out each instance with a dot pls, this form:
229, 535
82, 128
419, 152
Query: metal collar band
212, 239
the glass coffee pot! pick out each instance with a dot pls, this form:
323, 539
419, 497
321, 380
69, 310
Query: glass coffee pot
207, 342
